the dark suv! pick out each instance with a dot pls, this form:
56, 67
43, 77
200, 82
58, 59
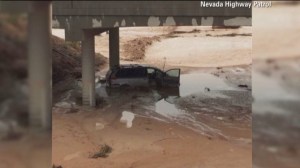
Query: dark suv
138, 75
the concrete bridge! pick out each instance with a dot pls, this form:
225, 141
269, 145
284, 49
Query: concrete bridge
73, 16
82, 20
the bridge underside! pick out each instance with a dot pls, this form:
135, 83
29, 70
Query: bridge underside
73, 25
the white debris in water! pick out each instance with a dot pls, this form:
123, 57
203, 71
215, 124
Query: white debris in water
99, 126
127, 117
220, 118
272, 149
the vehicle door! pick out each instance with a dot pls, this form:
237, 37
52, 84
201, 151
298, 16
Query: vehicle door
151, 74
138, 77
172, 78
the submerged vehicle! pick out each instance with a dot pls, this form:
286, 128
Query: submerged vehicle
134, 75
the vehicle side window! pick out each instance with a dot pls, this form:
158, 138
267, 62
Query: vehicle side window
150, 70
138, 72
122, 73
131, 73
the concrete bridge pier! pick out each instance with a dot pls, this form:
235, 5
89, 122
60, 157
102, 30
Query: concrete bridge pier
88, 69
114, 47
40, 65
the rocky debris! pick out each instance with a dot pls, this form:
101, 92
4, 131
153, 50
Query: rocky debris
135, 49
103, 152
57, 166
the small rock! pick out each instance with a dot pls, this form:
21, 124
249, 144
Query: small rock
243, 86
103, 152
269, 61
207, 89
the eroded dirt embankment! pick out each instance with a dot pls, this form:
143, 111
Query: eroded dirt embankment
66, 66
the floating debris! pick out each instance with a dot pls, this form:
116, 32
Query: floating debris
127, 117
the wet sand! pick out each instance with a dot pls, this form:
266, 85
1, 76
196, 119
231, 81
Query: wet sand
148, 143
31, 150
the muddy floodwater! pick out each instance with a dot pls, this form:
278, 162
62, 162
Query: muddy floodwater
203, 103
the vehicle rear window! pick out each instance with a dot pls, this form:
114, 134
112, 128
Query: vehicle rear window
131, 73
173, 73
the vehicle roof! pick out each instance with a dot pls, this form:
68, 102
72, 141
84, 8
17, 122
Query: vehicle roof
136, 66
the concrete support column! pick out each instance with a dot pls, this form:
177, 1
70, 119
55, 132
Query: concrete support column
88, 69
40, 64
114, 47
